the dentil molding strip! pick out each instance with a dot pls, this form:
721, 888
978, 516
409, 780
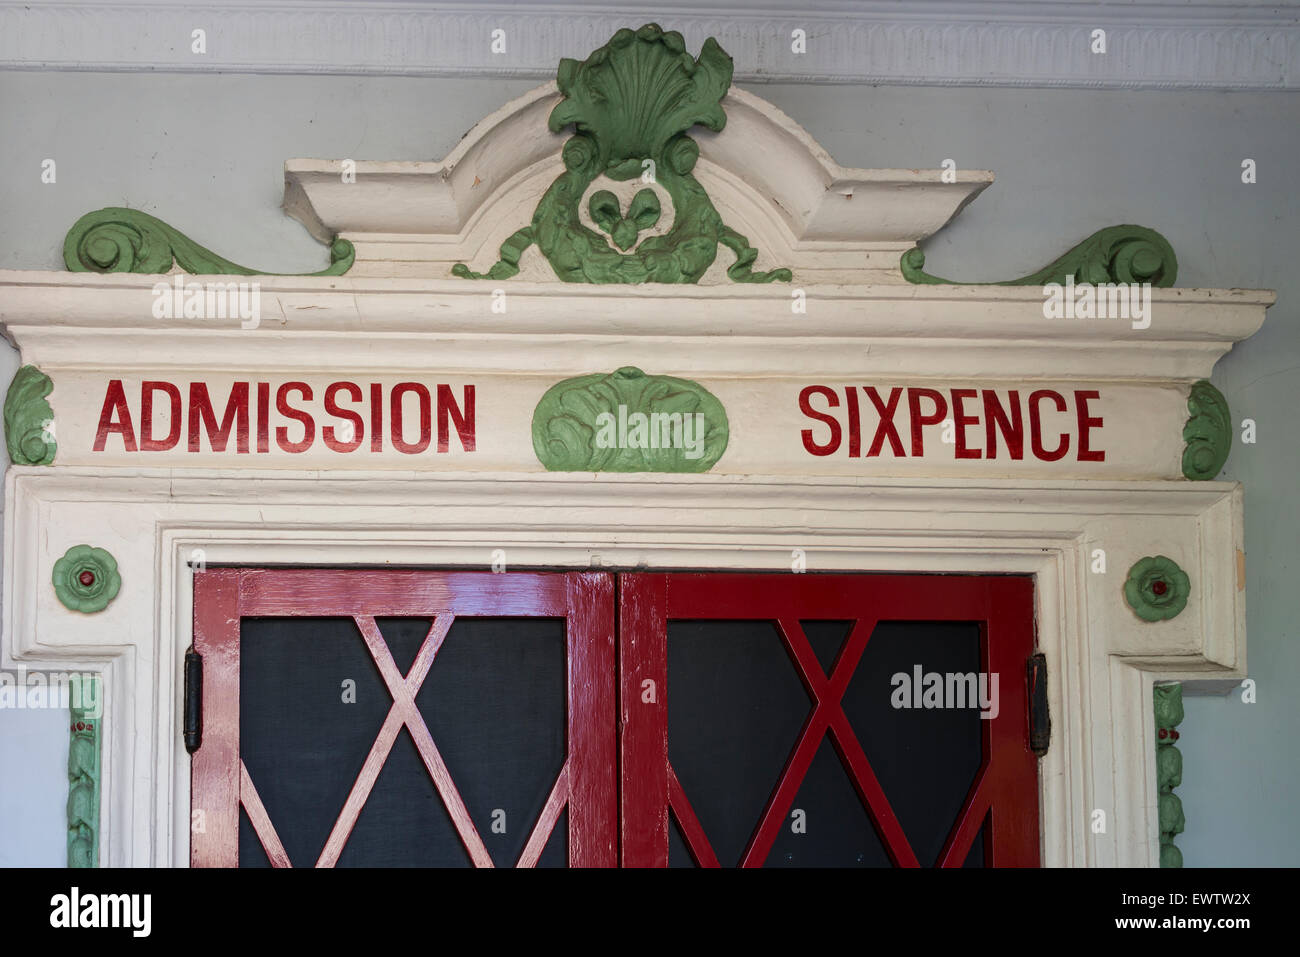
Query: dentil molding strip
1164, 44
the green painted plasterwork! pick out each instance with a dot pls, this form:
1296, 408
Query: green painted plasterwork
98, 590
29, 420
115, 239
1169, 771
1114, 254
1156, 588
630, 103
1208, 433
84, 770
577, 424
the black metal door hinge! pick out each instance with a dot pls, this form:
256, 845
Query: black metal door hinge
193, 719
1040, 722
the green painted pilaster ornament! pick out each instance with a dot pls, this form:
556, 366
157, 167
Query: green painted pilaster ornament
84, 770
1111, 255
1208, 433
1156, 588
1169, 771
86, 579
627, 421
631, 103
115, 239
29, 420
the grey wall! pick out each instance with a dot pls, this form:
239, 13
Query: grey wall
205, 153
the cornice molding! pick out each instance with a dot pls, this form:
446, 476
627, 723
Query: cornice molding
1222, 46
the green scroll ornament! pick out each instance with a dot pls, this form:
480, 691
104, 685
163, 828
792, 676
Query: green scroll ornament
627, 421
1115, 254
1208, 433
115, 239
1156, 588
630, 103
29, 420
1169, 771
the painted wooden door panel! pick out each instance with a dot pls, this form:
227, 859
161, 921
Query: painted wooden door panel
385, 612
828, 633
766, 720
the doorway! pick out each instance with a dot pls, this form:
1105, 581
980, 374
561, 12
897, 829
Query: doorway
360, 717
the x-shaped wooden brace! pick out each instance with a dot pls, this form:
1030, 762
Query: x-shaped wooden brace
828, 715
404, 713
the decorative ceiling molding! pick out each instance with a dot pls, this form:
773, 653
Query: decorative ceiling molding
1165, 44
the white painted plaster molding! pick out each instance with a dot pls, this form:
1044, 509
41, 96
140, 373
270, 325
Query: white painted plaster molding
93, 321
1159, 43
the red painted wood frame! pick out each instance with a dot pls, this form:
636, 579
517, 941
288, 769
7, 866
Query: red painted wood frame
1005, 789
587, 782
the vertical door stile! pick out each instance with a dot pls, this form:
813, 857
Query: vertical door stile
215, 768
643, 680
592, 760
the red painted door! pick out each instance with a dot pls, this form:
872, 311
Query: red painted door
433, 718
880, 757
329, 756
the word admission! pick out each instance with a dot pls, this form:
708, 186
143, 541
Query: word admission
256, 418
983, 423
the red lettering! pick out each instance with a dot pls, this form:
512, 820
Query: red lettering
235, 418
960, 420
1013, 429
919, 421
855, 422
464, 421
332, 408
1036, 429
308, 424
147, 441
805, 406
1086, 423
264, 417
376, 417
426, 418
885, 428
115, 416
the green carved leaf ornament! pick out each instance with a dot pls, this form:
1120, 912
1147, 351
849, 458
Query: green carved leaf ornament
1168, 700
627, 421
28, 418
1208, 433
630, 104
84, 769
1127, 254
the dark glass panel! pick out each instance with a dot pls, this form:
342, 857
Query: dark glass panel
311, 704
925, 757
827, 825
735, 708
494, 702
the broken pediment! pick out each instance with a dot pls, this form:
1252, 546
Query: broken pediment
639, 164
